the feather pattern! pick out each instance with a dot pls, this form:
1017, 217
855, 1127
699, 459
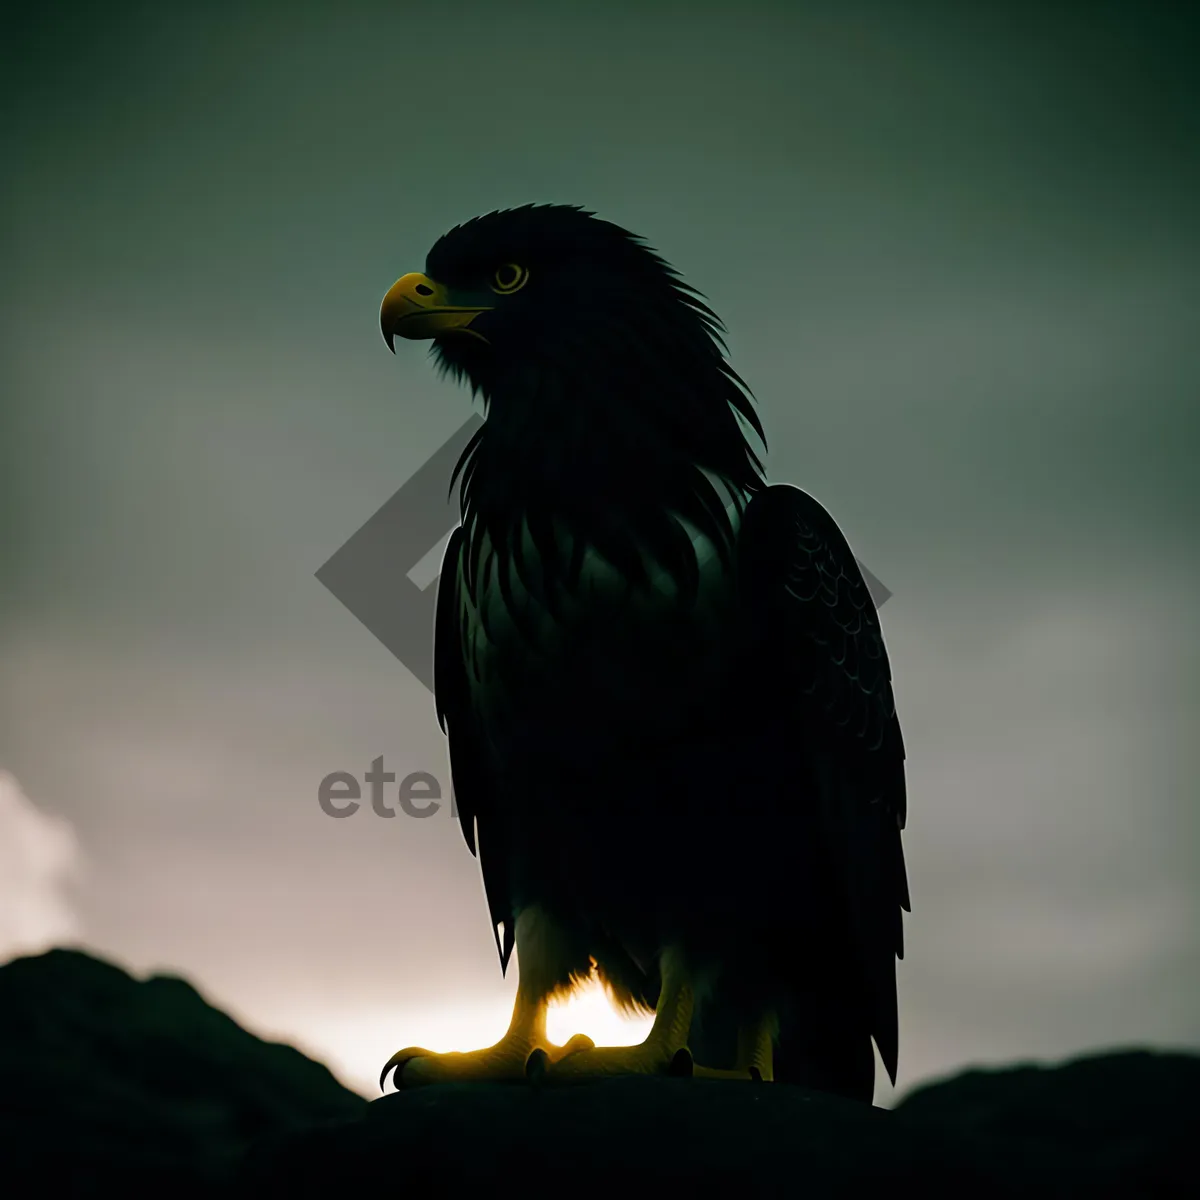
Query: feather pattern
802, 588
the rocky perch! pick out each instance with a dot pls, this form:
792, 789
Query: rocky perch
1119, 1125
107, 1082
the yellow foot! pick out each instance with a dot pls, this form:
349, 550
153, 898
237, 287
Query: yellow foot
746, 1075
755, 1055
650, 1058
508, 1061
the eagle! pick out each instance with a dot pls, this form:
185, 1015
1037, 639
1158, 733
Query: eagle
671, 726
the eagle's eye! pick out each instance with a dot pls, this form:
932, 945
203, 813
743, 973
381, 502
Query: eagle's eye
509, 278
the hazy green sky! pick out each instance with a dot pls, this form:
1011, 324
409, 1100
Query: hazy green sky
957, 251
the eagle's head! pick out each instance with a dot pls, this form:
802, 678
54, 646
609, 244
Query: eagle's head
601, 371
538, 284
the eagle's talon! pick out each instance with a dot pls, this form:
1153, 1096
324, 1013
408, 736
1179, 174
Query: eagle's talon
735, 1074
682, 1065
591, 1062
398, 1062
536, 1065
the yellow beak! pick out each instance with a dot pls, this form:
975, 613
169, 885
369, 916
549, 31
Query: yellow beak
416, 307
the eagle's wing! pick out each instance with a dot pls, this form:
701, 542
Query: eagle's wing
476, 797
823, 660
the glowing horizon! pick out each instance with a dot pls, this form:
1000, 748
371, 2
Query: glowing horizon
354, 1045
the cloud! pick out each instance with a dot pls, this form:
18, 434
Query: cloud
39, 856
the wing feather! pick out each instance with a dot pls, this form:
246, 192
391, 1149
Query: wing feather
481, 817
807, 601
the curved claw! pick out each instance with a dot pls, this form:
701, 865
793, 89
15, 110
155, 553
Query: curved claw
536, 1065
397, 1063
682, 1065
539, 1061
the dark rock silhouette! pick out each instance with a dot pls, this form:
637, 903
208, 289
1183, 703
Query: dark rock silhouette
107, 1082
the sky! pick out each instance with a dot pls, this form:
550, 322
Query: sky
957, 251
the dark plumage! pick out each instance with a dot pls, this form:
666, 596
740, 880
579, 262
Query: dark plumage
664, 685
